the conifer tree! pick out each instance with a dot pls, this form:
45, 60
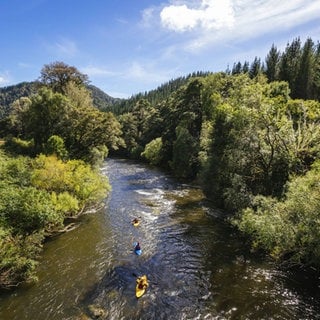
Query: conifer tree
272, 64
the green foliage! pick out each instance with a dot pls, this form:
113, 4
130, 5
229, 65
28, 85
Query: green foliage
136, 126
156, 96
73, 176
46, 116
135, 152
27, 209
258, 138
101, 100
97, 155
87, 133
184, 149
12, 93
17, 146
65, 203
272, 64
18, 257
15, 170
289, 227
58, 75
152, 151
55, 145
36, 196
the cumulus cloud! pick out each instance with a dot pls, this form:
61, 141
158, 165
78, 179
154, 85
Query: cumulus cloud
215, 20
211, 14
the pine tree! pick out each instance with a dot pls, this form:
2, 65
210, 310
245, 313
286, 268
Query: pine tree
255, 68
272, 64
289, 64
304, 79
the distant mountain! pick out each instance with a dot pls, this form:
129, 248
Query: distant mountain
9, 94
101, 100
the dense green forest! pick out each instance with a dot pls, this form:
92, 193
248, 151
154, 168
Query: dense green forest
249, 145
249, 136
55, 139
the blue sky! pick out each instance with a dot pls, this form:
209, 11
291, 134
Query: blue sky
132, 46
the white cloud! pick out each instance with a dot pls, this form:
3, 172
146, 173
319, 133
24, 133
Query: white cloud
208, 22
148, 16
211, 14
4, 78
256, 18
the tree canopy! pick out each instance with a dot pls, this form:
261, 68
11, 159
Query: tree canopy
57, 75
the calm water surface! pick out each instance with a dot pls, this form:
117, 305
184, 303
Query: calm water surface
197, 266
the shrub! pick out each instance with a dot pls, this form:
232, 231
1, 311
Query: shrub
152, 151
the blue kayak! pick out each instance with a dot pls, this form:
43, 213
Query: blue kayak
137, 252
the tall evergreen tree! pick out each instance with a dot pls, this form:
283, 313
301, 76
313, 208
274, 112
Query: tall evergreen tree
272, 64
316, 75
245, 67
289, 64
237, 68
304, 80
255, 68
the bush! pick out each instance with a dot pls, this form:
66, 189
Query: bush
290, 227
36, 195
27, 209
153, 151
18, 257
55, 146
73, 176
18, 146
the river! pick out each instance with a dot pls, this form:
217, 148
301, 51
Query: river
197, 265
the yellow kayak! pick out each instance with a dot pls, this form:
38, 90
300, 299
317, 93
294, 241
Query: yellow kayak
142, 284
135, 223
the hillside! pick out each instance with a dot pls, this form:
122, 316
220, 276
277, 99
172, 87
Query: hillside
155, 96
9, 94
101, 100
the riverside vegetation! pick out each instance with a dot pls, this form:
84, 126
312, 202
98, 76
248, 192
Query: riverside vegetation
250, 137
54, 142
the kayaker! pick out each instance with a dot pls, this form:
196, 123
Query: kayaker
137, 247
141, 285
135, 220
142, 282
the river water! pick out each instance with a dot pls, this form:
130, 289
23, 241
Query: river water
197, 265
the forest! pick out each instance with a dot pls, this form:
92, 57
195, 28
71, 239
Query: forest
250, 137
54, 140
